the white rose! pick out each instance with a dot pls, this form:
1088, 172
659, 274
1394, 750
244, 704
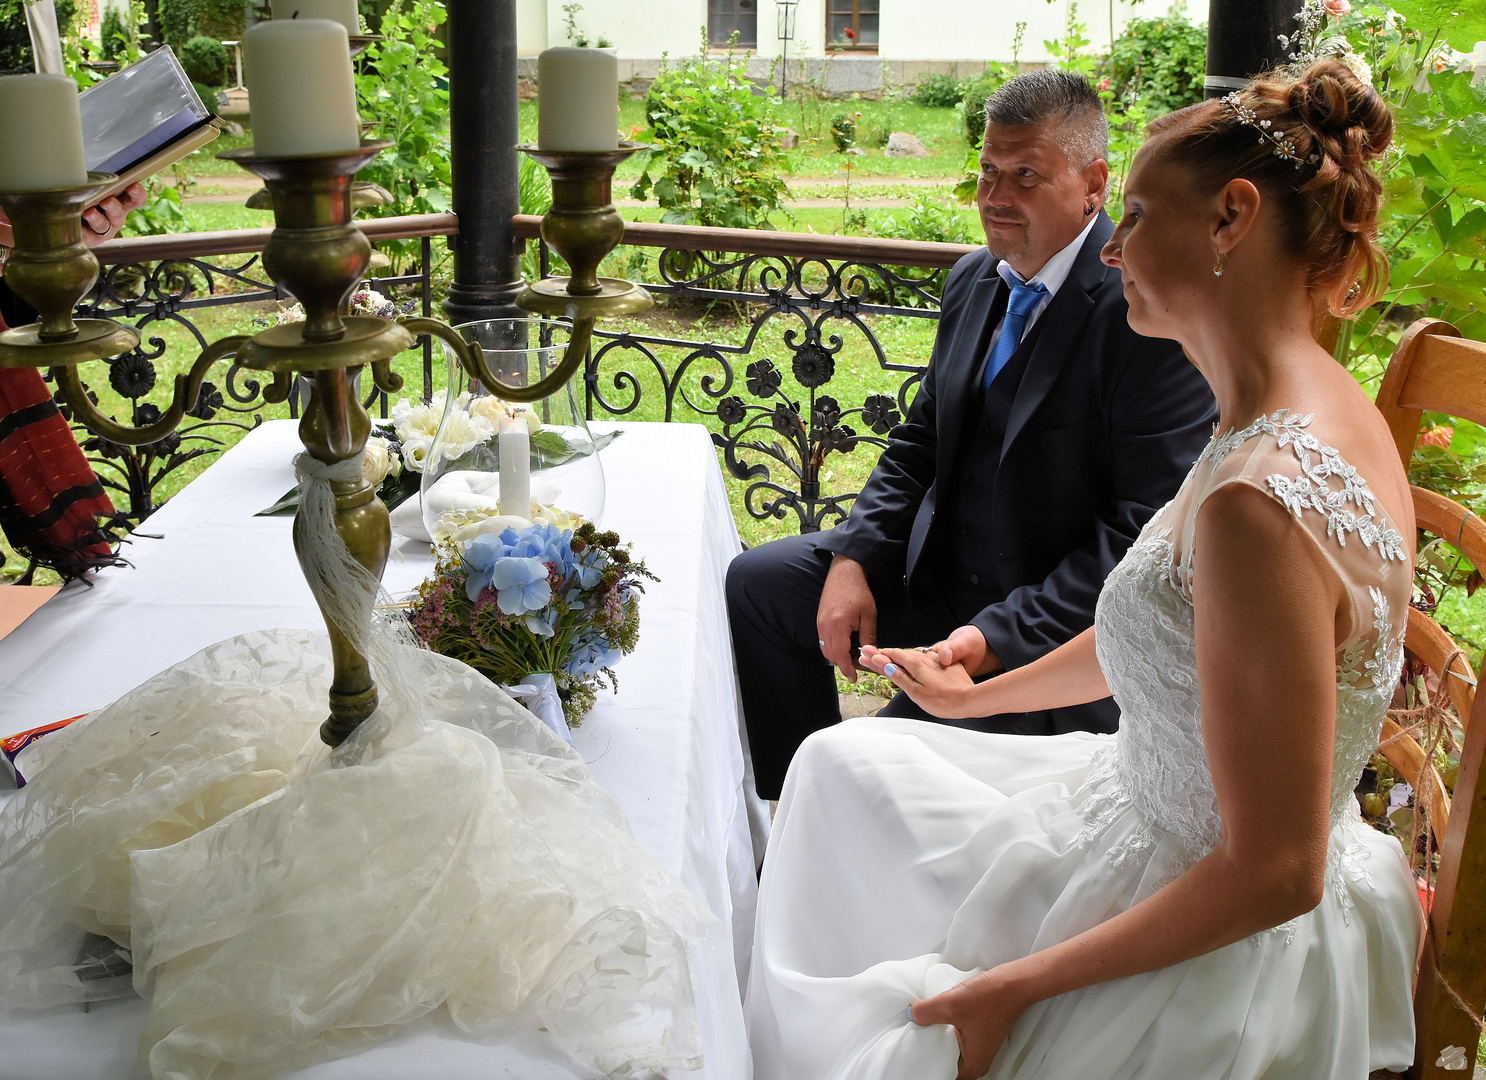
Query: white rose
376, 461
493, 410
448, 532
415, 450
463, 432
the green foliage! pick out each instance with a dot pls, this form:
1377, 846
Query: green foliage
115, 34
844, 131
16, 56
182, 20
1069, 51
716, 157
1160, 60
402, 86
174, 18
929, 217
162, 213
973, 94
938, 91
1433, 223
576, 35
205, 60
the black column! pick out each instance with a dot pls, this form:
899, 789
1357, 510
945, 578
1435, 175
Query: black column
1243, 40
483, 134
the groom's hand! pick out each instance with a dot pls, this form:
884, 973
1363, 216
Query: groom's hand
846, 606
967, 647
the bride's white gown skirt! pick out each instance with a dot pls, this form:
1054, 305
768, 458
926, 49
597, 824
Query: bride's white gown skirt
907, 855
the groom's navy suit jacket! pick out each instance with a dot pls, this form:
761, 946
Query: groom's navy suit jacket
1012, 506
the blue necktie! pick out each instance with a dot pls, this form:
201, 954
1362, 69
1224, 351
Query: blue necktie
1024, 300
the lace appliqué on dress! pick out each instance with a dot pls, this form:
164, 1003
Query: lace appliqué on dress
1312, 490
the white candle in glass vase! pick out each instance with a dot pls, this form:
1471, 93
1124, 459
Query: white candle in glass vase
577, 100
341, 11
515, 467
41, 133
301, 94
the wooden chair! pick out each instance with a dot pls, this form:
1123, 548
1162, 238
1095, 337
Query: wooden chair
1435, 368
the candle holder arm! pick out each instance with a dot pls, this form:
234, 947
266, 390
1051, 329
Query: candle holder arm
472, 357
186, 393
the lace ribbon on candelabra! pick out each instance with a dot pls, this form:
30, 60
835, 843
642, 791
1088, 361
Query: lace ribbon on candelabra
348, 593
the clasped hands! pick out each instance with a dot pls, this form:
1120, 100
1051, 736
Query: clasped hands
937, 677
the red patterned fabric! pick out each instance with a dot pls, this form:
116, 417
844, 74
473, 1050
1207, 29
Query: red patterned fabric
51, 502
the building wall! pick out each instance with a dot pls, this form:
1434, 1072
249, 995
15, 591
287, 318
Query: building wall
910, 30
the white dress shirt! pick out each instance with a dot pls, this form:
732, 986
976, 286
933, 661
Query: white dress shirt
1051, 277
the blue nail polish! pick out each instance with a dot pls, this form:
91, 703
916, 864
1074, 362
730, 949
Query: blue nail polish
890, 670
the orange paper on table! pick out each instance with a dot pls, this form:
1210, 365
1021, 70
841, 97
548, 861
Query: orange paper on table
17, 602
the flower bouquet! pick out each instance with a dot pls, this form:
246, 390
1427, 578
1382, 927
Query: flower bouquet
535, 600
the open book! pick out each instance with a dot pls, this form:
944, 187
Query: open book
142, 118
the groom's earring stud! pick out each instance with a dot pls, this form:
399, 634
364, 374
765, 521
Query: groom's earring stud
1089, 209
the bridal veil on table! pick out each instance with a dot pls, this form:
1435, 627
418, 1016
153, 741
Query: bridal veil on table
283, 903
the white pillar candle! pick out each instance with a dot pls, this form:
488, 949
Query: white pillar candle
515, 467
41, 133
301, 94
341, 11
577, 100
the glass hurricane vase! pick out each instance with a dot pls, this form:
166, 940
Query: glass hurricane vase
494, 464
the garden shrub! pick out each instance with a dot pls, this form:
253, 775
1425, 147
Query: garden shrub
938, 92
715, 157
115, 34
844, 131
403, 86
205, 60
182, 20
1162, 60
16, 57
972, 104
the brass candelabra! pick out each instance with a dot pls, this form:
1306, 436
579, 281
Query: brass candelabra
318, 255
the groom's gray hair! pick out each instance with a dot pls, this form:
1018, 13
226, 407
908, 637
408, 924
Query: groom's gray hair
1063, 98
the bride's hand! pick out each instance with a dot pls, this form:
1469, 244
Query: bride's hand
982, 1010
942, 691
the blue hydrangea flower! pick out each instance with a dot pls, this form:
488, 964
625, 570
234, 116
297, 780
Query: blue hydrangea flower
521, 585
480, 556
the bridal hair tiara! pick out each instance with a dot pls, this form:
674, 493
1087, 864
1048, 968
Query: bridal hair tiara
1283, 146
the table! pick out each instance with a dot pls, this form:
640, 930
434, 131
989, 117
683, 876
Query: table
667, 746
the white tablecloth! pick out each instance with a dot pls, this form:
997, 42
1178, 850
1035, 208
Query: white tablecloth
666, 745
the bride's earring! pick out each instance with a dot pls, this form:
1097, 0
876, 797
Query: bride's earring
1217, 265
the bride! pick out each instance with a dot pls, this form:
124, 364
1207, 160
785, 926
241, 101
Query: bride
1195, 896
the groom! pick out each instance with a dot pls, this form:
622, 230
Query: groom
1044, 436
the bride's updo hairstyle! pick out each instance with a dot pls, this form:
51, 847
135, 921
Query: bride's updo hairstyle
1307, 143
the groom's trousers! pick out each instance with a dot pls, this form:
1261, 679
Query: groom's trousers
787, 685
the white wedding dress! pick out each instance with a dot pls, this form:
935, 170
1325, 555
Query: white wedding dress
908, 855
282, 903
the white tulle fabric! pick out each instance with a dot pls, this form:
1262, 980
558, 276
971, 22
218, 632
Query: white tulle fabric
907, 855
283, 903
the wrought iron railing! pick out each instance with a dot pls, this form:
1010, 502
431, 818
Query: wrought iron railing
777, 421
799, 302
151, 281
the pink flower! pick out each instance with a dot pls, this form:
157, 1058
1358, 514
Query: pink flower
1337, 8
1104, 83
1437, 436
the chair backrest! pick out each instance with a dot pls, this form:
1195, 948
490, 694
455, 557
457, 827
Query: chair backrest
1436, 369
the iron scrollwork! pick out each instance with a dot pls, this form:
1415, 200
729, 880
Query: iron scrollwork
171, 291
772, 423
